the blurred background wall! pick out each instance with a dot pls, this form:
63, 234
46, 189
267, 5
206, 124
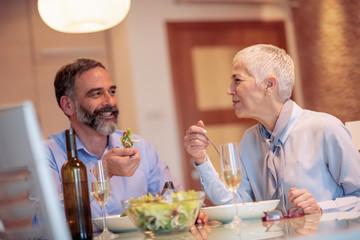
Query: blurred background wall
328, 43
322, 34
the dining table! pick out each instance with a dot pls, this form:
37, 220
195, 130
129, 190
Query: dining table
331, 225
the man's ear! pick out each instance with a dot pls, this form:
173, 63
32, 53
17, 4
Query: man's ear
67, 105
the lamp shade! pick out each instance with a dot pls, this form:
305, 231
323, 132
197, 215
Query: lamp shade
82, 16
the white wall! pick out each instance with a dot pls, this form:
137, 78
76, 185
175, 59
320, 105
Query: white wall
150, 63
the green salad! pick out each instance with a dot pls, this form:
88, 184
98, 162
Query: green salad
176, 211
124, 214
126, 139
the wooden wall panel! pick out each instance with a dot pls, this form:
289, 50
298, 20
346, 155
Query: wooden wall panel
16, 73
328, 39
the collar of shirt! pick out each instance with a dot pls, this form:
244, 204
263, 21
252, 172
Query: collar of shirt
295, 116
112, 143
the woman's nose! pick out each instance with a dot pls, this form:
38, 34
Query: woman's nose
230, 90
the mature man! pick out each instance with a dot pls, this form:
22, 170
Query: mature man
86, 94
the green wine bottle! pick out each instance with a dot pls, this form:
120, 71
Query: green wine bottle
76, 192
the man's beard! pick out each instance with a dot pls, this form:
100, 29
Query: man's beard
103, 126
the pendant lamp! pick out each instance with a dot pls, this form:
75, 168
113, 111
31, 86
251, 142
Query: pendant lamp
82, 16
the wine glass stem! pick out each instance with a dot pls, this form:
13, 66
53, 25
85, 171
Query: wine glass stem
105, 230
236, 206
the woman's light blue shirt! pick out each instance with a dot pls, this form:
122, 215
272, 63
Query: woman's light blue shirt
319, 157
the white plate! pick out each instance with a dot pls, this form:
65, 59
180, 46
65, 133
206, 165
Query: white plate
116, 223
226, 213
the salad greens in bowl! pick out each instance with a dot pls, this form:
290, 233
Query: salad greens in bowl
163, 214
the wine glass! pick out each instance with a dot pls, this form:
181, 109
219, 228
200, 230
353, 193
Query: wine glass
100, 190
231, 174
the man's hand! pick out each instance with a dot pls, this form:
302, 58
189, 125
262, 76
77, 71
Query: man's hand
122, 161
195, 142
200, 232
202, 218
302, 198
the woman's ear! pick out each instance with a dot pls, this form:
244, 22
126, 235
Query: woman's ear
270, 84
67, 105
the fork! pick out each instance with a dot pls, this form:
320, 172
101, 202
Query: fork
226, 163
212, 144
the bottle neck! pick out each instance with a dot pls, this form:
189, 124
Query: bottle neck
168, 188
70, 144
71, 154
169, 185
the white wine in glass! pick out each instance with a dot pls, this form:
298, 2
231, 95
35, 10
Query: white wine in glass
101, 191
232, 178
231, 174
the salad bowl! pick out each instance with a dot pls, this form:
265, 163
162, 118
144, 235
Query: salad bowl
173, 213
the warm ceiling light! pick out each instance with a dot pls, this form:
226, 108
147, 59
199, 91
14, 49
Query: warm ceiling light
82, 16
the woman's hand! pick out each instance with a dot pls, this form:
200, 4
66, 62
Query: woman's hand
195, 142
304, 199
310, 227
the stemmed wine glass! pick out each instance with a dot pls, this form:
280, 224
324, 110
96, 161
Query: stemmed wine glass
100, 190
231, 174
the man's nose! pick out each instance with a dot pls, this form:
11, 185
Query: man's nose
109, 99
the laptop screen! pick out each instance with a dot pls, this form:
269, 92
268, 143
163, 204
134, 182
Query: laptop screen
21, 148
